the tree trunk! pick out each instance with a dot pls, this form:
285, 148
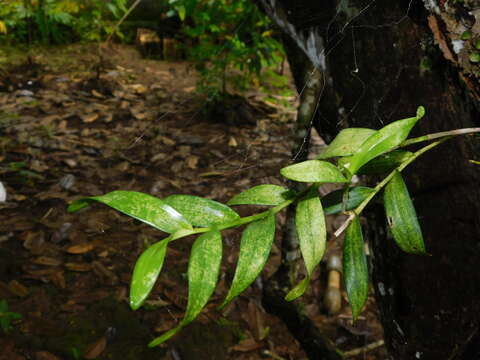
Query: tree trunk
385, 59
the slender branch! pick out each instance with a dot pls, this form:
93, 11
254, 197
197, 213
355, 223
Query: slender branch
440, 135
363, 349
243, 220
115, 29
384, 182
273, 355
443, 136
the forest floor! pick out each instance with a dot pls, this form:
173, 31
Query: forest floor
74, 126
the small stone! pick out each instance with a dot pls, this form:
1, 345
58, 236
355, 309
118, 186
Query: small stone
3, 193
67, 181
25, 93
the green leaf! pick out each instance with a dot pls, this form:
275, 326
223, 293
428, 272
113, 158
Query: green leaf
165, 336
146, 272
313, 171
346, 142
201, 212
385, 163
255, 247
203, 271
355, 270
333, 202
298, 290
146, 208
312, 234
262, 195
402, 217
382, 141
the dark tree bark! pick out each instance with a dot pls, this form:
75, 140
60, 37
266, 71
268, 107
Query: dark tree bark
385, 58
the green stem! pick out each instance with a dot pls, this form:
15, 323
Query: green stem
439, 135
243, 220
357, 211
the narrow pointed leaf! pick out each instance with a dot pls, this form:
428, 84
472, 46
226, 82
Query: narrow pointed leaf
333, 202
382, 141
201, 212
146, 208
402, 217
146, 272
298, 290
346, 142
313, 171
310, 224
385, 163
262, 195
165, 336
255, 247
203, 270
355, 267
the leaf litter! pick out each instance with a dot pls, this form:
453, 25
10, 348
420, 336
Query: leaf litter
82, 127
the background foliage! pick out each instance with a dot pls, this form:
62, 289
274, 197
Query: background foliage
58, 21
228, 41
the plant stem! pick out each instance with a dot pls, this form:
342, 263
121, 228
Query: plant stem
243, 220
440, 135
357, 211
384, 182
115, 29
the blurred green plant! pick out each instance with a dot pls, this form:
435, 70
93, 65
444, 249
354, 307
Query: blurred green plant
58, 21
7, 317
229, 41
355, 151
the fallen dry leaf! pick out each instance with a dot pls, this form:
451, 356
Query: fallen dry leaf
18, 289
80, 267
47, 261
192, 161
45, 355
89, 118
80, 248
95, 349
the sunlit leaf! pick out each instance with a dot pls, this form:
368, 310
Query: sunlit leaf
146, 208
3, 27
255, 247
355, 267
385, 163
312, 234
261, 195
313, 171
346, 142
146, 272
333, 202
381, 141
402, 217
200, 211
203, 270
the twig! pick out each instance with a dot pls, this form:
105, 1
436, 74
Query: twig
134, 5
273, 355
440, 135
363, 349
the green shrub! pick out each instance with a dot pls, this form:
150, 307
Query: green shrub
228, 40
58, 21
